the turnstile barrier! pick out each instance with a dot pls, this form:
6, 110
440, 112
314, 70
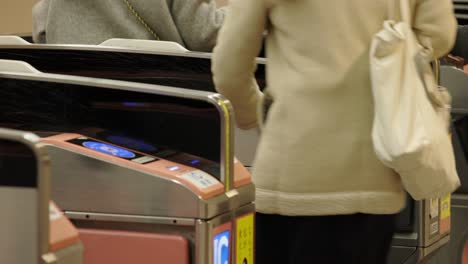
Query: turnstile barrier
123, 164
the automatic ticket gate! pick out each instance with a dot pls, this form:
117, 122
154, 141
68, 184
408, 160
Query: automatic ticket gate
32, 229
157, 211
144, 61
145, 172
423, 229
457, 251
424, 225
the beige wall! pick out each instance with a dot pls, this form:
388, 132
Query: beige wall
15, 16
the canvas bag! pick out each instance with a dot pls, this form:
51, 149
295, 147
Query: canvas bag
410, 130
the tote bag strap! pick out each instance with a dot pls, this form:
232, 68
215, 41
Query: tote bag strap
399, 10
391, 10
405, 12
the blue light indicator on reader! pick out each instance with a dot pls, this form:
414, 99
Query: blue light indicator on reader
109, 149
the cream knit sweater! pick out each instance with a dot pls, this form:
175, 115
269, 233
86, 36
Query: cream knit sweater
315, 155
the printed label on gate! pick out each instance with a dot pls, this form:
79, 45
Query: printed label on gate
200, 178
434, 228
245, 239
433, 208
433, 217
445, 215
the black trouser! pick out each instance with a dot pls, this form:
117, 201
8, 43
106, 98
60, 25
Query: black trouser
350, 239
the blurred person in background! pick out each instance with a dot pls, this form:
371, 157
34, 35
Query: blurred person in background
192, 23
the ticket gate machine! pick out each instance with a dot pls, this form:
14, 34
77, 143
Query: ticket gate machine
415, 242
144, 61
424, 227
122, 171
422, 230
33, 229
456, 252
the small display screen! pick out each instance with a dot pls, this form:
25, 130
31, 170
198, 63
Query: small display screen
132, 143
205, 165
139, 145
112, 150
168, 70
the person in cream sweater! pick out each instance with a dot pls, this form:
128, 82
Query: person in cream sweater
322, 196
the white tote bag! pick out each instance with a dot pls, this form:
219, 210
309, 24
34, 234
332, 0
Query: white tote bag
410, 128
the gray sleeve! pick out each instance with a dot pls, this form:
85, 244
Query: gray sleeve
40, 13
198, 22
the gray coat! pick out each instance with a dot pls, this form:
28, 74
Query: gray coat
191, 23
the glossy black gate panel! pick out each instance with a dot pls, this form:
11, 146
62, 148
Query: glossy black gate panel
150, 64
159, 125
186, 71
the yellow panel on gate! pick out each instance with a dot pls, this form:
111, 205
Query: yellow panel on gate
445, 207
245, 239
